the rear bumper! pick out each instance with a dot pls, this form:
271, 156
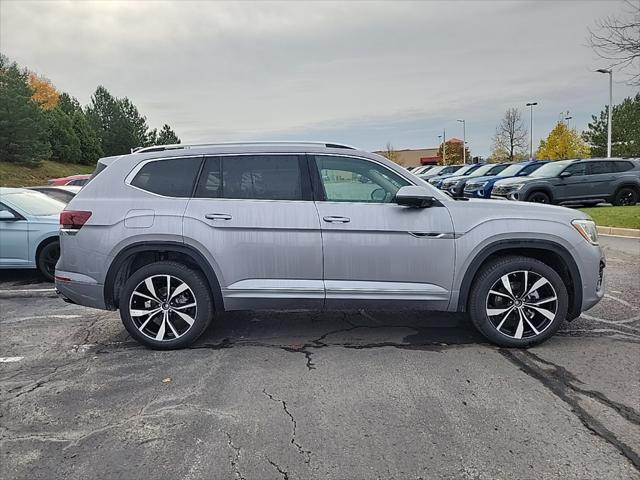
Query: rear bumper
75, 288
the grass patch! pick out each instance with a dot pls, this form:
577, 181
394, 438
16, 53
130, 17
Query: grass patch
622, 217
19, 175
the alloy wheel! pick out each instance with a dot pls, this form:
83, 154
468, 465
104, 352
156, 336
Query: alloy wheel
521, 304
163, 307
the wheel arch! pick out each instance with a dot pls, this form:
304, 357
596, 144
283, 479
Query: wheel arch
543, 189
148, 252
549, 252
43, 243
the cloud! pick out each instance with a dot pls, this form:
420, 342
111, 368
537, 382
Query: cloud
359, 72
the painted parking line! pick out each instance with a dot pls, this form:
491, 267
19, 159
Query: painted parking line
10, 359
30, 292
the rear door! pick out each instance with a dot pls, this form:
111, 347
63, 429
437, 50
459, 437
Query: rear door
255, 217
378, 253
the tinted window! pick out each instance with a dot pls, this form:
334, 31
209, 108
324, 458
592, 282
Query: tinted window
597, 168
171, 178
623, 166
261, 177
356, 180
530, 168
577, 169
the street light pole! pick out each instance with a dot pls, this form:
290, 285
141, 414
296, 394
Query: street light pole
531, 105
464, 141
610, 72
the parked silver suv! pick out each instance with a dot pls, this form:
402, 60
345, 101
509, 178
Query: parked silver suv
170, 235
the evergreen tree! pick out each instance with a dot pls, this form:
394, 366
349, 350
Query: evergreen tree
69, 104
65, 145
23, 127
625, 130
167, 136
90, 147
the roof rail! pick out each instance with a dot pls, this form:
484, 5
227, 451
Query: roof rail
178, 146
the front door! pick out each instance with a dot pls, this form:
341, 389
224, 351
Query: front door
255, 216
14, 239
574, 186
378, 253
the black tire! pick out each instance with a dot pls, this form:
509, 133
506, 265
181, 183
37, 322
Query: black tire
625, 196
199, 290
491, 273
539, 197
47, 258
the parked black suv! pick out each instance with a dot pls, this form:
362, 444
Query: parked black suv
576, 181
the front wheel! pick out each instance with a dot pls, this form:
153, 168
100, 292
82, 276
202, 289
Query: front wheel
166, 305
539, 197
47, 259
518, 301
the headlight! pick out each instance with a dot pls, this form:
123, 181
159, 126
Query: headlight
514, 187
587, 228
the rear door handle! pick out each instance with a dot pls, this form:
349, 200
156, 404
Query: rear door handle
218, 216
334, 219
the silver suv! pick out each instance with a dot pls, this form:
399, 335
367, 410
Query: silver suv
170, 235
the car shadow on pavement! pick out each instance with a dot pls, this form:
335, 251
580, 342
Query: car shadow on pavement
12, 278
351, 329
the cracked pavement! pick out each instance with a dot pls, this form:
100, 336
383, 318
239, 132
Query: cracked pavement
321, 395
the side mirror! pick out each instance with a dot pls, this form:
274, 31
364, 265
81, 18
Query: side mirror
416, 197
565, 174
7, 216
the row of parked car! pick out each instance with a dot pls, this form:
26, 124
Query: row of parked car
579, 181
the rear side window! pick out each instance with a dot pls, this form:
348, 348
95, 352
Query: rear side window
257, 177
171, 178
623, 166
598, 168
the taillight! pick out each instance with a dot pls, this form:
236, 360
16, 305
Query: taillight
73, 219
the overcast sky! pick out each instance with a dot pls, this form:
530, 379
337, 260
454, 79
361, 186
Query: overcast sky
363, 73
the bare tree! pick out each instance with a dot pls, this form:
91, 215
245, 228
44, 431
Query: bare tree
510, 139
617, 39
391, 153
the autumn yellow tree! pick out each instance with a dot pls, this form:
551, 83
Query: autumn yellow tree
562, 143
44, 93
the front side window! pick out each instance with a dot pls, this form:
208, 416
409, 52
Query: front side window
577, 169
171, 178
257, 177
346, 179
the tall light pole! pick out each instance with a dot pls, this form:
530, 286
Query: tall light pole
444, 146
531, 105
464, 141
610, 72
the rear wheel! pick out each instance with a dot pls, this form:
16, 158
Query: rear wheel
47, 259
625, 196
166, 305
539, 197
518, 301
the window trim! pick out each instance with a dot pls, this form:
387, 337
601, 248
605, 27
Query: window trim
305, 182
318, 187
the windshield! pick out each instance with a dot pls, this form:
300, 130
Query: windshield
483, 170
450, 169
551, 169
435, 170
34, 203
466, 170
511, 170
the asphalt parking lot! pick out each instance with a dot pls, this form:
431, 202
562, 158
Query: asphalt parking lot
313, 395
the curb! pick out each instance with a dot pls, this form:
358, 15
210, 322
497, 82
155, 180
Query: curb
619, 232
27, 293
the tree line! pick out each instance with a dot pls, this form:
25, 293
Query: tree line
37, 122
511, 138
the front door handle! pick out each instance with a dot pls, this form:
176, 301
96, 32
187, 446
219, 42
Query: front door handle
218, 216
334, 219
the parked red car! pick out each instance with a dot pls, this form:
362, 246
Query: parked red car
78, 180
